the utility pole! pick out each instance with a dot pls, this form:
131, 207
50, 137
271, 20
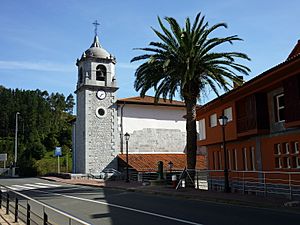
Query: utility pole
16, 140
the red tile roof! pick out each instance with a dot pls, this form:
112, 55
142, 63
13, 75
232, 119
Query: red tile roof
149, 100
148, 162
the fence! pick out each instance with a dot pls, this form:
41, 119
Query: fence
258, 182
33, 212
247, 182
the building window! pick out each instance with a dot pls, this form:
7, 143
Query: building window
234, 159
278, 163
229, 159
220, 160
298, 162
294, 162
245, 159
100, 73
252, 158
277, 149
286, 162
100, 112
213, 120
201, 130
215, 160
228, 113
279, 107
286, 148
80, 76
296, 147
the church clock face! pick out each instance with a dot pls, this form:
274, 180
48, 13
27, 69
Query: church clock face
101, 94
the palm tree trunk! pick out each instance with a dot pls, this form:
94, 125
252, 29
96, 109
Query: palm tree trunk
191, 147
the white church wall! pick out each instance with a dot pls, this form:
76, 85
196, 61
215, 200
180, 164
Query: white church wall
156, 129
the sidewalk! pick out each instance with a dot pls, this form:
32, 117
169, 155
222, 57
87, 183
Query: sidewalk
187, 193
7, 219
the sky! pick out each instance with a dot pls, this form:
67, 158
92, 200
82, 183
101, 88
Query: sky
41, 39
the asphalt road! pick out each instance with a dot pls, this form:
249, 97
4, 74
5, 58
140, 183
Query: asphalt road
116, 207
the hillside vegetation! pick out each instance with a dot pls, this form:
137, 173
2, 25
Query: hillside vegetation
44, 123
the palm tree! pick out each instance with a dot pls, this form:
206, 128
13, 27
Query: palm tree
184, 60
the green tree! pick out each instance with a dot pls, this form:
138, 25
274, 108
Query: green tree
186, 60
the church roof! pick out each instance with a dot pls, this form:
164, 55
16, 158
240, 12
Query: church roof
96, 51
148, 162
149, 100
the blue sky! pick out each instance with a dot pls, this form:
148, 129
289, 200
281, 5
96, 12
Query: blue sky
41, 40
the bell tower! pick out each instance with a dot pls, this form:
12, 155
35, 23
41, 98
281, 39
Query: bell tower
96, 121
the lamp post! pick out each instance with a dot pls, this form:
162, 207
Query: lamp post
223, 122
127, 136
16, 140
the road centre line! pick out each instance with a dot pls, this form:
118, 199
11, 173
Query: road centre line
122, 207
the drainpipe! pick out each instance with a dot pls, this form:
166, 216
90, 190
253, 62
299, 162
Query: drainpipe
121, 134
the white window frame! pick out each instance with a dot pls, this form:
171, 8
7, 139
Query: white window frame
279, 162
278, 108
245, 159
213, 122
296, 146
287, 148
228, 113
202, 129
298, 161
252, 152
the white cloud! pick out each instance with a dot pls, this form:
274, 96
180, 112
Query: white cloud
37, 66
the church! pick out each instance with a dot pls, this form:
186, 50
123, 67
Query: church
156, 130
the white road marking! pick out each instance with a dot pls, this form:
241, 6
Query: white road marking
21, 187
124, 207
35, 186
47, 184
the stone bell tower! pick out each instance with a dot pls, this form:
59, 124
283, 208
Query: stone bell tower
96, 121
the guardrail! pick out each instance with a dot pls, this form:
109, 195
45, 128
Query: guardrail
31, 211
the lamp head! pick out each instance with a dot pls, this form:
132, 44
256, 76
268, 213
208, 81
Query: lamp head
223, 120
127, 136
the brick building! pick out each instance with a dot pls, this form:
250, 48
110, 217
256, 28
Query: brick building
263, 129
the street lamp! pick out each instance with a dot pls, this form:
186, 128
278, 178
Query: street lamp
170, 165
127, 136
16, 140
223, 122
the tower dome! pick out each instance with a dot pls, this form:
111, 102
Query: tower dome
96, 51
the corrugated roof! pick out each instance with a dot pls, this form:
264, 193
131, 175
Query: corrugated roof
148, 162
149, 100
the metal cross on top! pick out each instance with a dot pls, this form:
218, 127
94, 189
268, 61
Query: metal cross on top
96, 24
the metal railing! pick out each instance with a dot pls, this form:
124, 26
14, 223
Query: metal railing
31, 211
247, 182
259, 182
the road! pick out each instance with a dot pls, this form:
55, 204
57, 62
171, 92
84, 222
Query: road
117, 207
